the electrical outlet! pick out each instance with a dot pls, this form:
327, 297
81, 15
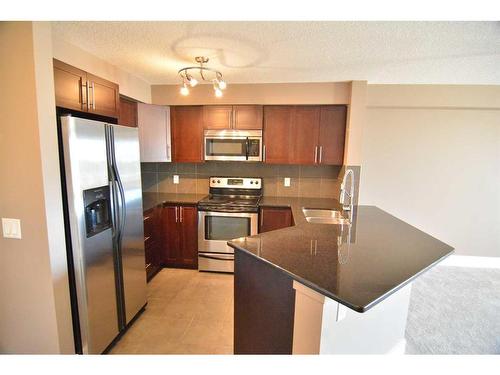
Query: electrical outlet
176, 178
11, 228
286, 182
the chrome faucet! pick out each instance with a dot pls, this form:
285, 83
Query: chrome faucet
344, 193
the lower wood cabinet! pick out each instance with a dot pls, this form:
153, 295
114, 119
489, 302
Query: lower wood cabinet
272, 218
180, 236
153, 241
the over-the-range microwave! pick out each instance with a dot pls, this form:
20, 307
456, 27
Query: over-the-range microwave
233, 145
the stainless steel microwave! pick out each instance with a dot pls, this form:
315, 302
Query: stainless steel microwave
233, 145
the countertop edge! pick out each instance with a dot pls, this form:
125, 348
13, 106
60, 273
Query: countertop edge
359, 309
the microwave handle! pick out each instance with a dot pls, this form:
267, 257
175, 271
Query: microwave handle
247, 146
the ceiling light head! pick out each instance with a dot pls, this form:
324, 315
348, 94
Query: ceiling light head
218, 92
222, 84
184, 90
192, 81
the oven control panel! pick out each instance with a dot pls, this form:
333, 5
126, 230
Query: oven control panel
236, 182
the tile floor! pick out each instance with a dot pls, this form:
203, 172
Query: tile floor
188, 312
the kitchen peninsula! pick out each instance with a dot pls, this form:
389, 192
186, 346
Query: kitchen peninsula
322, 288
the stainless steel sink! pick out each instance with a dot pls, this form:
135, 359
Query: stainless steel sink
319, 216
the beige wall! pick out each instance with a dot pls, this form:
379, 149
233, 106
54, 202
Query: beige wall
130, 85
265, 93
29, 298
437, 165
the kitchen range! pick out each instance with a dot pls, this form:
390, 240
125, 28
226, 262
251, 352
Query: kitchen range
229, 211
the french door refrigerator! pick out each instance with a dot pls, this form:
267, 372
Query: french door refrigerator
104, 229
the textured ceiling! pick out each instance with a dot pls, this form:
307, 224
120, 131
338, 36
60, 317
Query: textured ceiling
255, 52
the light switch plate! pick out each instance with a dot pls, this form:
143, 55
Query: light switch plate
286, 182
176, 179
11, 228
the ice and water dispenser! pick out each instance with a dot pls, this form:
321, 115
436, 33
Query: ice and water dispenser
97, 210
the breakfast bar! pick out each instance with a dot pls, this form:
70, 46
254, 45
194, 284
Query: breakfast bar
328, 288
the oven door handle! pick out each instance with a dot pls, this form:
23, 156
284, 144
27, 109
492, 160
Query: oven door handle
215, 257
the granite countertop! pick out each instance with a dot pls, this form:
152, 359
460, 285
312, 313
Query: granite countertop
150, 200
358, 265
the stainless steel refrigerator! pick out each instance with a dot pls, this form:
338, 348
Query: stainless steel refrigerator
104, 229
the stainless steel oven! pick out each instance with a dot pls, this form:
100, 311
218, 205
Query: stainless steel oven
214, 230
229, 211
233, 145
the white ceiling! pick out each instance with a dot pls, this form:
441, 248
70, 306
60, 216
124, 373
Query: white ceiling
256, 52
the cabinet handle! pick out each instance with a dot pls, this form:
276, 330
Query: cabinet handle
176, 217
233, 118
320, 154
262, 218
315, 154
264, 153
83, 101
93, 96
147, 218
87, 90
180, 216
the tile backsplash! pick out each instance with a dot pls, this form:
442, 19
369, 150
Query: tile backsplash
306, 181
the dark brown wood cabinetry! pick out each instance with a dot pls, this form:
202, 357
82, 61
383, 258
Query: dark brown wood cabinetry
187, 134
243, 117
82, 91
332, 129
180, 236
128, 112
308, 135
304, 135
272, 218
277, 127
153, 241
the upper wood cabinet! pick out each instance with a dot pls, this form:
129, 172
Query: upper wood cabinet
304, 135
244, 117
247, 117
308, 135
128, 112
332, 134
217, 117
277, 128
154, 132
82, 91
70, 86
187, 134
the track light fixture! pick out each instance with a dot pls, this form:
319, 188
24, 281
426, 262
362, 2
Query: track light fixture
188, 80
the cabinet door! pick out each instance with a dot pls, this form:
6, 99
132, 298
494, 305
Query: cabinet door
187, 134
304, 135
103, 96
169, 225
128, 113
247, 117
70, 86
274, 218
217, 116
277, 126
189, 236
154, 132
332, 134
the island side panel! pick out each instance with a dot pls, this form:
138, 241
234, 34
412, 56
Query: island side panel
264, 305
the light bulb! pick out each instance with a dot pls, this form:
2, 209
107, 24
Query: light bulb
184, 90
222, 84
193, 81
218, 92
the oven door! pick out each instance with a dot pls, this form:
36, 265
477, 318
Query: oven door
216, 228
